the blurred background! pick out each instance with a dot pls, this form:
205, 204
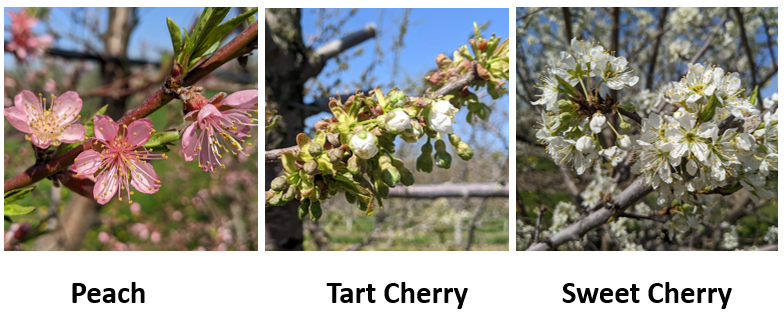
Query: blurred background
658, 44
119, 57
392, 48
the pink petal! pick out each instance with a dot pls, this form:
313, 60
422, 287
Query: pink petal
207, 159
139, 132
106, 186
246, 99
104, 129
18, 118
192, 116
143, 178
67, 106
87, 163
27, 98
43, 144
73, 133
189, 142
208, 110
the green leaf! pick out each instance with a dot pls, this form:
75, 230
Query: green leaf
17, 194
176, 35
162, 139
477, 31
568, 89
710, 109
16, 210
754, 96
211, 42
252, 17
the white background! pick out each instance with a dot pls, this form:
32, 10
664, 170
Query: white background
219, 285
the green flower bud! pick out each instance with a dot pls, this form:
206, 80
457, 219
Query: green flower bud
335, 155
566, 117
565, 105
406, 176
427, 148
315, 211
383, 190
397, 99
454, 139
464, 151
304, 208
289, 194
350, 197
354, 165
362, 205
279, 183
440, 145
625, 125
443, 159
276, 199
315, 149
425, 161
384, 161
311, 167
390, 176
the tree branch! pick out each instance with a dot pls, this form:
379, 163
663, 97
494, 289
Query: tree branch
235, 48
330, 50
575, 231
450, 190
530, 13
652, 63
567, 24
745, 43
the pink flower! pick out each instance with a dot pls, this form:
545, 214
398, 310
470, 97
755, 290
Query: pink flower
47, 127
23, 40
222, 125
119, 159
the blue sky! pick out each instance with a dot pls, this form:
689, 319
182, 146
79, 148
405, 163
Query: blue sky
151, 30
430, 32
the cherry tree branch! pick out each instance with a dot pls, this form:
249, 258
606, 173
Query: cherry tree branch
636, 191
530, 13
450, 190
242, 44
330, 50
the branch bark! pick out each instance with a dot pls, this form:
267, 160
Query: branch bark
330, 50
636, 191
656, 43
744, 41
457, 190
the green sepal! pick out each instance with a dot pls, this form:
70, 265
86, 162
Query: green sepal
709, 111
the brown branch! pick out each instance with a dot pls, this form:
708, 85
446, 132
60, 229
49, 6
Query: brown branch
630, 114
450, 190
656, 43
745, 43
274, 155
235, 48
539, 215
472, 226
530, 13
645, 44
567, 24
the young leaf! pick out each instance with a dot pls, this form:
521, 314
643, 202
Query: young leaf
710, 109
212, 41
17, 194
159, 139
16, 210
176, 35
568, 89
754, 95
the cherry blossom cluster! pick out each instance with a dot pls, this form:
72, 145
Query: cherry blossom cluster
715, 142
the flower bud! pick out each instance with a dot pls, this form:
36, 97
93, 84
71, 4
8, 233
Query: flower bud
350, 197
289, 194
482, 72
315, 149
443, 159
397, 121
481, 44
440, 145
390, 176
565, 105
406, 176
311, 167
354, 165
334, 139
276, 199
382, 190
585, 144
441, 115
397, 99
335, 155
454, 139
304, 208
565, 117
464, 151
363, 144
315, 211
624, 142
361, 205
279, 183
625, 125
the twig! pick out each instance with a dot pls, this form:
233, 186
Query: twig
539, 215
745, 43
450, 190
530, 13
472, 226
567, 24
652, 63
